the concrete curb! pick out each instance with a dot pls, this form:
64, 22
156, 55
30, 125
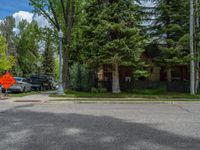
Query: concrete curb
106, 102
3, 99
120, 101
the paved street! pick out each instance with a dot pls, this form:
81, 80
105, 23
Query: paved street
68, 126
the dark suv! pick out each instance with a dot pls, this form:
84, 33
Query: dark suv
42, 82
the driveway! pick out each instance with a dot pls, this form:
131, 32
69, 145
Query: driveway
68, 126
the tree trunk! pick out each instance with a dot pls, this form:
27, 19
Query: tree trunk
197, 78
70, 13
196, 47
169, 75
168, 21
66, 66
115, 79
192, 62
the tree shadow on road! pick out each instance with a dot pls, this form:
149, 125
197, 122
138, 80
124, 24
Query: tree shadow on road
28, 130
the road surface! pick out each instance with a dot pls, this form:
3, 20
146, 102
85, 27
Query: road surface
68, 126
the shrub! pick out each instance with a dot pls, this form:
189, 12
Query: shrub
81, 77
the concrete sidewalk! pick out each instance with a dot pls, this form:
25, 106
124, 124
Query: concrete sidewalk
44, 97
121, 100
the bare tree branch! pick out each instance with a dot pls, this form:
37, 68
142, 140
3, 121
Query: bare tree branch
64, 11
45, 14
54, 14
73, 12
68, 11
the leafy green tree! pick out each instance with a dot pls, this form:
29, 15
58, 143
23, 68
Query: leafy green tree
7, 27
112, 35
77, 50
27, 44
7, 30
60, 14
6, 61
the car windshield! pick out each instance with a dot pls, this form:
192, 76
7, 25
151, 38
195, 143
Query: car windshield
18, 79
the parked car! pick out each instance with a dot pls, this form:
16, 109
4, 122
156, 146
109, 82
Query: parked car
42, 82
21, 85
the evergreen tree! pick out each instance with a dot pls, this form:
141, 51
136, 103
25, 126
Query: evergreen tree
112, 35
48, 63
27, 44
170, 28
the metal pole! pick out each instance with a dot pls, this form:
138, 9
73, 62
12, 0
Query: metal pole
196, 47
60, 90
192, 62
6, 93
6, 90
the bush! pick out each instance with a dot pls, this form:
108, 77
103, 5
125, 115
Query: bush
81, 77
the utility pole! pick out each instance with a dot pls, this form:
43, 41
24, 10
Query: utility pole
192, 62
196, 45
60, 90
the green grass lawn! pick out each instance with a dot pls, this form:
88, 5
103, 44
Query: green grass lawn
154, 94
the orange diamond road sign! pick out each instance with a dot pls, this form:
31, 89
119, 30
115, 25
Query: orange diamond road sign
7, 80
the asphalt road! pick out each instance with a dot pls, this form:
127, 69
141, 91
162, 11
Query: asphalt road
67, 126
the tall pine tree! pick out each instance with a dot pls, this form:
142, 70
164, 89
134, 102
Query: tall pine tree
48, 63
170, 28
112, 35
27, 44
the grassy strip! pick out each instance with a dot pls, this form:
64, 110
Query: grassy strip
152, 94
